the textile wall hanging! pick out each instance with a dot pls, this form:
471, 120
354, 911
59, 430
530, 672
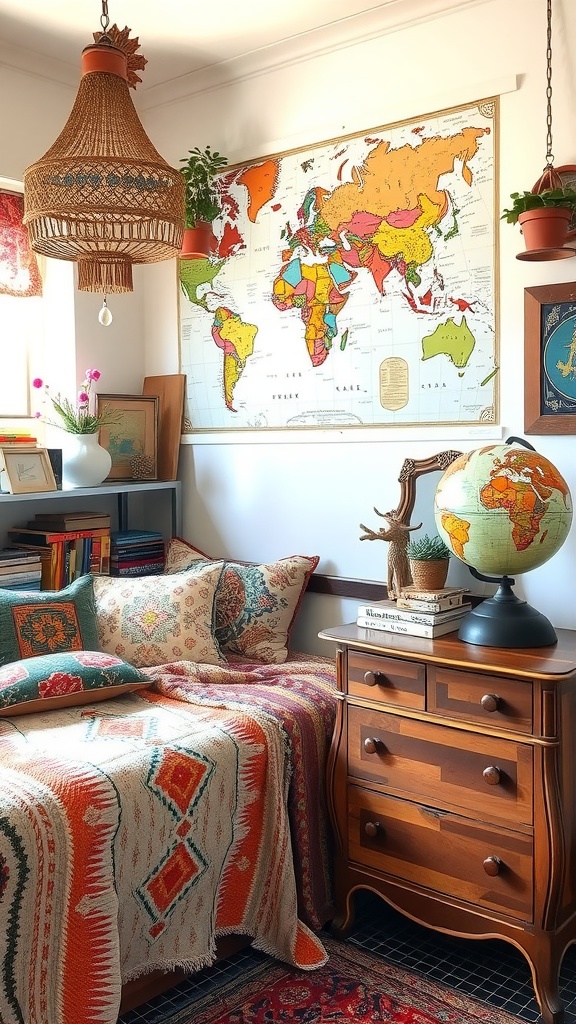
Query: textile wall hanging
19, 273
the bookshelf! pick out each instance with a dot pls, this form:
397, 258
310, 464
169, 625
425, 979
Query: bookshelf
115, 491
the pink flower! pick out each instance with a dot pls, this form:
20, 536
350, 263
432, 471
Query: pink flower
93, 374
82, 398
37, 383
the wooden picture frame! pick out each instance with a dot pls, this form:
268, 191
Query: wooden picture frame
549, 354
28, 470
170, 390
132, 438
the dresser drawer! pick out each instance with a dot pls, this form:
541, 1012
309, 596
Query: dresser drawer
444, 767
454, 856
390, 680
489, 700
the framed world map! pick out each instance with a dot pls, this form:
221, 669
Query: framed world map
352, 284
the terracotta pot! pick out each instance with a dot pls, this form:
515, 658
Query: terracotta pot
545, 230
429, 574
198, 242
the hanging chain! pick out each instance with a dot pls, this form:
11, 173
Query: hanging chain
549, 154
105, 20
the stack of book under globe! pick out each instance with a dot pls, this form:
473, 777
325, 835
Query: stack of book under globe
136, 553
427, 613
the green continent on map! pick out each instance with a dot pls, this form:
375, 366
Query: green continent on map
236, 339
450, 339
194, 274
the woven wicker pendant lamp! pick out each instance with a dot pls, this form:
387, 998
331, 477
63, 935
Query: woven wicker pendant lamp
102, 195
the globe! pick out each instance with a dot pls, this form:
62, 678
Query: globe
503, 509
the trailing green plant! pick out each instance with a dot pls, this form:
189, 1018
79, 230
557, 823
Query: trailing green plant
560, 198
202, 201
428, 549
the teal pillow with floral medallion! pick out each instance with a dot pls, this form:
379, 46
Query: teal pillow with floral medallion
33, 623
65, 680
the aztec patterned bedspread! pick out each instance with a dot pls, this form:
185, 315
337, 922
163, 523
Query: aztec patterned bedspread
137, 830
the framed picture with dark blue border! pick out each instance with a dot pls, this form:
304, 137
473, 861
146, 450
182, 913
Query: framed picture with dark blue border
550, 359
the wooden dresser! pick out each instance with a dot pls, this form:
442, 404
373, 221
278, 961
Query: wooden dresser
452, 788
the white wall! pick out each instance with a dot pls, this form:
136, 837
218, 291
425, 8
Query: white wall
257, 500
264, 497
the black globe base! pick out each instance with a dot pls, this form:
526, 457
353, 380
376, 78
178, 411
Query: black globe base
506, 621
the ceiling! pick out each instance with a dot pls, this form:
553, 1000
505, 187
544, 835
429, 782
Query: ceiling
181, 37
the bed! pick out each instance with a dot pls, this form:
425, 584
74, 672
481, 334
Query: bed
161, 786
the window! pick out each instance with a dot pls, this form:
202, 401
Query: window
36, 312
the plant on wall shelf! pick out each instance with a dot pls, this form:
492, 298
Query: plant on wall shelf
545, 218
201, 198
522, 202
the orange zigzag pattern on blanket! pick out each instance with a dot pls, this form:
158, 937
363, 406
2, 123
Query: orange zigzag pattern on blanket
91, 824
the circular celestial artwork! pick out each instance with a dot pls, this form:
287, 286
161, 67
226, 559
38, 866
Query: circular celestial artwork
559, 358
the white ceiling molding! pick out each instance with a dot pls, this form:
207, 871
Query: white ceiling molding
220, 62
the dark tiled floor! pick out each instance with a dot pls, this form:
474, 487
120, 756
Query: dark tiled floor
490, 970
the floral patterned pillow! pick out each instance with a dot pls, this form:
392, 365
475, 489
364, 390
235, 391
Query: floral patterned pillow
64, 680
153, 620
33, 623
255, 604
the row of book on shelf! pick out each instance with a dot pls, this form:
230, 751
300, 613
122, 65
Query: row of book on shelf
53, 550
425, 613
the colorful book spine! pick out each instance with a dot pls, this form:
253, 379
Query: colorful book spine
20, 535
410, 628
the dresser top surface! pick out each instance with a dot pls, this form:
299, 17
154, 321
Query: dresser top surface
551, 662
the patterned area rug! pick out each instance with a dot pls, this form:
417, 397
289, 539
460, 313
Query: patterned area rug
353, 985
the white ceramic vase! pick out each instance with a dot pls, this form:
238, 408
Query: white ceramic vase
85, 463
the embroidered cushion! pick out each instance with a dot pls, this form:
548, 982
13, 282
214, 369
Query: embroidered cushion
255, 604
64, 680
152, 620
33, 623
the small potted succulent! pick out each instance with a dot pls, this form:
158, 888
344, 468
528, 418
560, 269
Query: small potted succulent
429, 559
544, 217
202, 200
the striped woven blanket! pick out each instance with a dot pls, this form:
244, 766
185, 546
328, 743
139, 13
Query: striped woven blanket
133, 832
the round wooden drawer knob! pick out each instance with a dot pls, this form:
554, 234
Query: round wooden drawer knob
371, 745
373, 829
492, 866
492, 775
373, 678
490, 701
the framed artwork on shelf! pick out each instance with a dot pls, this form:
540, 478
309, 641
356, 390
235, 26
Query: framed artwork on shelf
28, 470
132, 438
550, 359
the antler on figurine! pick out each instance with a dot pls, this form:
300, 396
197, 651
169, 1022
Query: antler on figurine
396, 534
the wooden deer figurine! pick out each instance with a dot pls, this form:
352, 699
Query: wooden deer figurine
397, 534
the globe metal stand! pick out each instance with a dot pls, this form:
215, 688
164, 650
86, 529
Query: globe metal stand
505, 620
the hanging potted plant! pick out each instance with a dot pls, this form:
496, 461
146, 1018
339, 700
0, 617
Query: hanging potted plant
429, 560
202, 200
544, 219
